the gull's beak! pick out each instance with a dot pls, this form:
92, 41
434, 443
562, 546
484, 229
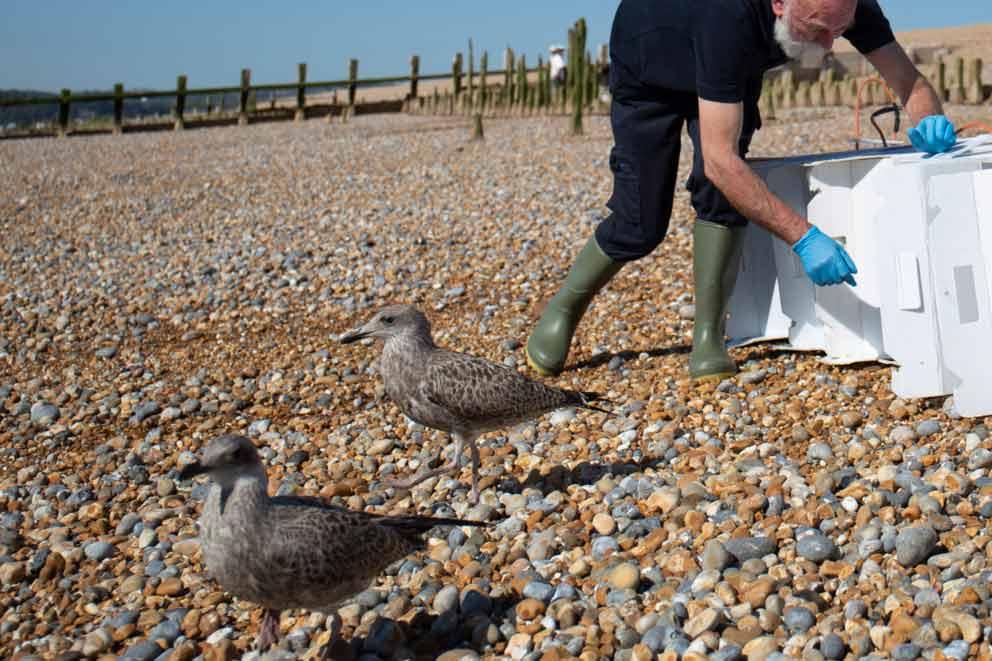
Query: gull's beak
354, 335
190, 471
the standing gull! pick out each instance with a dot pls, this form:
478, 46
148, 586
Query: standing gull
291, 551
463, 395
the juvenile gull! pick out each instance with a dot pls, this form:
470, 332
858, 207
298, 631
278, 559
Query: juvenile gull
463, 395
291, 551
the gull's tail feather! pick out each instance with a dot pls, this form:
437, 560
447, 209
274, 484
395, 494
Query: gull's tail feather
585, 398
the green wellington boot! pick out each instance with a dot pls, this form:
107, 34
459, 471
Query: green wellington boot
716, 257
547, 347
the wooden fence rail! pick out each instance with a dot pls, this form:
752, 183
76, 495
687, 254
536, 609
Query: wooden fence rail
246, 92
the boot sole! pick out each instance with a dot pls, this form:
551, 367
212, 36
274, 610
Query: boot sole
540, 369
716, 376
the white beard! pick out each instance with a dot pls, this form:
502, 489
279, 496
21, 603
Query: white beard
793, 48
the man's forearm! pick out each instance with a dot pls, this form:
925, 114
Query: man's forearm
922, 100
748, 193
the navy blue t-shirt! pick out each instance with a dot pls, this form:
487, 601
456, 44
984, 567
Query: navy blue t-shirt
715, 48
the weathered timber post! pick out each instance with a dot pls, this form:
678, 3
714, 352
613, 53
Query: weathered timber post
414, 76
179, 123
301, 92
456, 75
541, 99
245, 89
818, 96
976, 91
483, 90
118, 108
578, 92
852, 91
63, 129
766, 102
471, 74
352, 82
940, 82
522, 83
477, 133
571, 71
956, 93
507, 99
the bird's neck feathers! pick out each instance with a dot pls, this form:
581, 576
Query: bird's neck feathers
409, 343
247, 492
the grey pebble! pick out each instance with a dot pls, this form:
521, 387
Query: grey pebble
832, 646
816, 547
44, 414
145, 650
751, 548
914, 545
799, 619
98, 551
446, 599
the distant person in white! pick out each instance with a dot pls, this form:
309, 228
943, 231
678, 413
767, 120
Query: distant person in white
558, 68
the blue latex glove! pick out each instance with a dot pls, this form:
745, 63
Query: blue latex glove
934, 134
826, 262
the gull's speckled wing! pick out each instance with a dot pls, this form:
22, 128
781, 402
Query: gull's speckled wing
483, 395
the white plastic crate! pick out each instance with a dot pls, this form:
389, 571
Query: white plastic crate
920, 230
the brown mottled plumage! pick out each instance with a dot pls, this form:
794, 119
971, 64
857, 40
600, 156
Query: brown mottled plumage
291, 551
463, 395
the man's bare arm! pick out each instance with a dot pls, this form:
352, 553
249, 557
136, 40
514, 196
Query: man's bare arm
719, 131
913, 89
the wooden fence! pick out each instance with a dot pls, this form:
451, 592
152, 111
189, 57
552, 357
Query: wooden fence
247, 92
514, 88
960, 84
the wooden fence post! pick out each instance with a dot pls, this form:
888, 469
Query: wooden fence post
956, 93
118, 108
590, 79
508, 76
477, 133
483, 92
352, 78
578, 90
570, 71
976, 91
456, 75
540, 82
471, 74
64, 113
179, 125
941, 79
243, 103
301, 92
602, 68
414, 76
522, 83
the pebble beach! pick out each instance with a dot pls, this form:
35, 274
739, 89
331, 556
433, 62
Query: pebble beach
160, 289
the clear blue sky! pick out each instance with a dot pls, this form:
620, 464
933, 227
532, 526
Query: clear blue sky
92, 44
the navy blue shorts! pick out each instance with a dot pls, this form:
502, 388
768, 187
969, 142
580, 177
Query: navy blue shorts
647, 133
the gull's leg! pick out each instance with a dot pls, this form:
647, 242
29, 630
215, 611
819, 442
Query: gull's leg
474, 449
268, 630
456, 461
327, 651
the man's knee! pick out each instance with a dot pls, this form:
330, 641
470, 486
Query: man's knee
625, 239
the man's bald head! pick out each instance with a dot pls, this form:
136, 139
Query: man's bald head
805, 27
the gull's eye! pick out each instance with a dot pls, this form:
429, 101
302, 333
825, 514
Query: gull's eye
387, 320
